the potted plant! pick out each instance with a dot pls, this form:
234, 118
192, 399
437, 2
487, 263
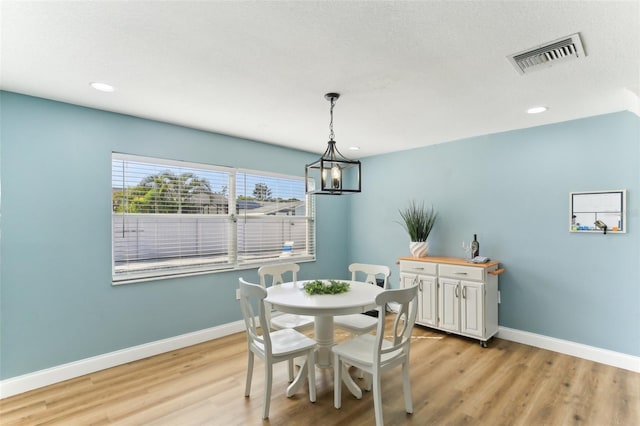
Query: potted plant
418, 222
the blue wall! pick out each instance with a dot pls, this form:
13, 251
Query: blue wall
57, 303
512, 189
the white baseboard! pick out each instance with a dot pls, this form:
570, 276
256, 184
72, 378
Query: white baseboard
603, 356
37, 379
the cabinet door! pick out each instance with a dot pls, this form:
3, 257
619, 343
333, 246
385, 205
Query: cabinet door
427, 299
472, 308
408, 280
449, 304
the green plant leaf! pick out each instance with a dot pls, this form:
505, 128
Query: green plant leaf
322, 287
418, 221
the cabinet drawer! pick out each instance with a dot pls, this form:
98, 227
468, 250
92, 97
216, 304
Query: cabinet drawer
413, 267
461, 272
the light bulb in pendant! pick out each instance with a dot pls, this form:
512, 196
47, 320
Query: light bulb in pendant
336, 176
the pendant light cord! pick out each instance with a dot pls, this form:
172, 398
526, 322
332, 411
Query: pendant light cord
331, 134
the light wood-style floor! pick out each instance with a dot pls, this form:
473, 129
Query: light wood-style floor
454, 381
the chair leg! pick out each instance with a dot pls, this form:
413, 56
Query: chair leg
247, 388
291, 376
337, 381
268, 378
359, 372
311, 363
408, 403
377, 399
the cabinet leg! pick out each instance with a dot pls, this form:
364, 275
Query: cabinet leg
483, 343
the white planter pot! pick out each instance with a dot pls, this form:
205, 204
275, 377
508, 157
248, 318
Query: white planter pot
419, 248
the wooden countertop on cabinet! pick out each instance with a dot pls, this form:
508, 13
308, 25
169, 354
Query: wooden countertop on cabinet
454, 261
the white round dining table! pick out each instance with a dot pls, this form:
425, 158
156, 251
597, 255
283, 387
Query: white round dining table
291, 298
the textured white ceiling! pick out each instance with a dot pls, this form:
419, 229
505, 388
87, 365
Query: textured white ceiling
410, 73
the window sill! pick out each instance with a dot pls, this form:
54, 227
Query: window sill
239, 267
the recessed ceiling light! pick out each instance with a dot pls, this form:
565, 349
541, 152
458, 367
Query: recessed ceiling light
354, 148
103, 87
536, 110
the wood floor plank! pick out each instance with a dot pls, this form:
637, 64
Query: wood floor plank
454, 382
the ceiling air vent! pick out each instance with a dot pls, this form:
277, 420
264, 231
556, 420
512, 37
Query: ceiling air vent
562, 50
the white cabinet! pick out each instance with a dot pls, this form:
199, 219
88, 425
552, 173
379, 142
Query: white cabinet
454, 295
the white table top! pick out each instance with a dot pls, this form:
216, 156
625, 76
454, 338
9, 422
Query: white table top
291, 298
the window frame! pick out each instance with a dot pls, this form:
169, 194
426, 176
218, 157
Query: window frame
234, 260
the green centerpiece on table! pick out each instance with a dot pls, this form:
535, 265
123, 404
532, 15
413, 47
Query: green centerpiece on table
321, 287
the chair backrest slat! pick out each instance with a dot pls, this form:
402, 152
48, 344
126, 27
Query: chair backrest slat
277, 272
372, 272
251, 294
407, 302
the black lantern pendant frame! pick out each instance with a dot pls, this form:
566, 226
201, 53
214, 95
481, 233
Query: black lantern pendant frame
337, 174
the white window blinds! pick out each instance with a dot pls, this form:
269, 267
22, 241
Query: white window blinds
171, 218
274, 218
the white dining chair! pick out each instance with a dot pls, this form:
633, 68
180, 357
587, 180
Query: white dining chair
272, 347
274, 274
360, 323
374, 354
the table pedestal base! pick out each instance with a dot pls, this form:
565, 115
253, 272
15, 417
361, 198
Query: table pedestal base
323, 327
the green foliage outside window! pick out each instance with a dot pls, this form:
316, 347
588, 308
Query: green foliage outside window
167, 192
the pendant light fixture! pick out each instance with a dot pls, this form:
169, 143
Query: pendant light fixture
335, 173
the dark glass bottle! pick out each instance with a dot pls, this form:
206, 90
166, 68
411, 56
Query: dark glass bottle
475, 246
